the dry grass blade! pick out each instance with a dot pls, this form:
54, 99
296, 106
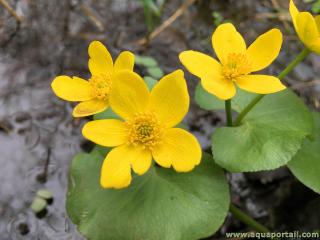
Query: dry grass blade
167, 22
10, 10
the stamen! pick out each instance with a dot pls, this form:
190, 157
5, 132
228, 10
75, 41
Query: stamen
145, 130
236, 64
101, 85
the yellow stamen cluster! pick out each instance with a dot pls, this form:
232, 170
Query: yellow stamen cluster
145, 130
101, 85
236, 64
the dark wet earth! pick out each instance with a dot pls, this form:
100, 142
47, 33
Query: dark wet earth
38, 136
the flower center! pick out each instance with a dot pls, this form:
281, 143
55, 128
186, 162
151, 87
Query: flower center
236, 64
101, 85
144, 129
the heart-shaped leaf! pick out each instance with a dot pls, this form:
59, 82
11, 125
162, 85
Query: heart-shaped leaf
269, 135
306, 163
159, 205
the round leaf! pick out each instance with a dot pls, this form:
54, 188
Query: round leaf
155, 72
146, 61
159, 205
150, 81
38, 204
306, 164
268, 137
106, 114
45, 194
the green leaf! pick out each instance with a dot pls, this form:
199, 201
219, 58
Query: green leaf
150, 81
269, 136
146, 61
101, 149
106, 114
159, 205
316, 7
45, 194
38, 204
155, 72
306, 164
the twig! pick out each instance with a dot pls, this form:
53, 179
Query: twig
10, 10
167, 22
4, 127
93, 16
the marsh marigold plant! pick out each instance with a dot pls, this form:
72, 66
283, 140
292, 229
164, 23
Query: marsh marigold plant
307, 28
93, 94
147, 130
237, 62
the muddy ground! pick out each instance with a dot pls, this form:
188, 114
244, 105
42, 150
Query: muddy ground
38, 136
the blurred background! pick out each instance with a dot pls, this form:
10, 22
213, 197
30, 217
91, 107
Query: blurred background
40, 39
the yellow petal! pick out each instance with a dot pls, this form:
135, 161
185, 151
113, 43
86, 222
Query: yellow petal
109, 132
140, 159
307, 28
125, 61
90, 107
116, 170
315, 46
199, 64
100, 59
226, 40
264, 50
262, 84
219, 86
178, 148
72, 89
293, 12
129, 94
209, 70
169, 98
317, 19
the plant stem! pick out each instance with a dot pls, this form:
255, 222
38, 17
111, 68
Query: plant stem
228, 112
302, 55
243, 217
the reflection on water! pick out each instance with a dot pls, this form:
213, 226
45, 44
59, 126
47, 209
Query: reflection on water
42, 139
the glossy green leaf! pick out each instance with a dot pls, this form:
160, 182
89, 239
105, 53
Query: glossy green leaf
145, 61
106, 114
159, 205
306, 164
45, 194
268, 137
38, 204
155, 72
150, 81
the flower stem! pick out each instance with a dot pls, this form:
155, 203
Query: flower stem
302, 55
228, 112
243, 217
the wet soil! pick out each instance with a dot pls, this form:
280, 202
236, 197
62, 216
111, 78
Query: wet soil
38, 136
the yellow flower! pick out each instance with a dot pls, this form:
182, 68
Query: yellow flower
307, 28
93, 94
147, 130
236, 63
